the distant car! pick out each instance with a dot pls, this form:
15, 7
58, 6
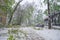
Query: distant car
40, 25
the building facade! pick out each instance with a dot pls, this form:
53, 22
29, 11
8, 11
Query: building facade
55, 19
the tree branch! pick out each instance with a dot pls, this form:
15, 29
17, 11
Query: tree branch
13, 12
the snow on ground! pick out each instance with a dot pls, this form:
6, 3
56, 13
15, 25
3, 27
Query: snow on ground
33, 34
49, 34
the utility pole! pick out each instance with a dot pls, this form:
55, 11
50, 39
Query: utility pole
49, 18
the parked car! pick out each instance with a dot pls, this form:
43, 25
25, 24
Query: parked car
40, 25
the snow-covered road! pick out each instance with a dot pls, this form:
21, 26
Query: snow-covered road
33, 34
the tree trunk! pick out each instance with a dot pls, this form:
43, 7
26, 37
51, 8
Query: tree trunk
49, 18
